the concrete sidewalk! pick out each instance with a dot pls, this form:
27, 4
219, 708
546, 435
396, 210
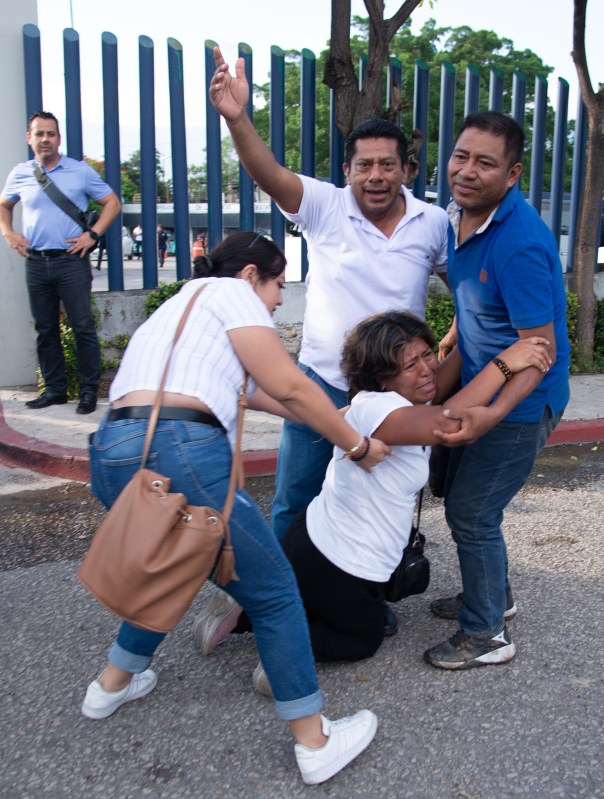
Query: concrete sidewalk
54, 440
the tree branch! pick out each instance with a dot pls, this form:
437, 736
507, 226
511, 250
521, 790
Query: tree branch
400, 17
578, 53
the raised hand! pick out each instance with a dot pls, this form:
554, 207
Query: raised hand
229, 95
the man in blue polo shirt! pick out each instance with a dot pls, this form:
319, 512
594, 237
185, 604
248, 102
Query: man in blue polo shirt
506, 278
57, 264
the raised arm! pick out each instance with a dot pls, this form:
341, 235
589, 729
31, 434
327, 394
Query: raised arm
263, 356
229, 95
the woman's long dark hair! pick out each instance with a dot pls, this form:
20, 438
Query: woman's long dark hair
238, 250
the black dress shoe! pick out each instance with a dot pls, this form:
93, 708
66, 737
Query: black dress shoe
390, 622
87, 403
45, 400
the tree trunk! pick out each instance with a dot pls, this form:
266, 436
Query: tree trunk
588, 227
354, 105
587, 239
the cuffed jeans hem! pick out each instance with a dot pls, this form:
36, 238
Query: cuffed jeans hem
127, 661
300, 708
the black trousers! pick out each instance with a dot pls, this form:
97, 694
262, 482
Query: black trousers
345, 613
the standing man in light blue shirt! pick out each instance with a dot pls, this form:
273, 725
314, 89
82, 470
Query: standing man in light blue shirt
57, 265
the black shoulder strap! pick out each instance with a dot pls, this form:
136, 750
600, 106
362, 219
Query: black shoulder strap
57, 196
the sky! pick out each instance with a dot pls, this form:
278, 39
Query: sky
544, 26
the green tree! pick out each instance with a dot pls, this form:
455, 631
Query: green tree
131, 178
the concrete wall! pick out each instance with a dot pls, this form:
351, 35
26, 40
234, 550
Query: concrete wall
17, 346
122, 312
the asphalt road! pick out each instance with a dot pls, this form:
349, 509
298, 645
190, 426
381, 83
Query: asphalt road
532, 728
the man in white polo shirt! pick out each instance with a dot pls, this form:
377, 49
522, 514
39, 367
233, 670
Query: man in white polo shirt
372, 247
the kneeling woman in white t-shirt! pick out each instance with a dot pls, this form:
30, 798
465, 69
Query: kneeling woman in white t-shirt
349, 541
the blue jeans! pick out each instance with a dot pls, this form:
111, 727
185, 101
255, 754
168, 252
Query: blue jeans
303, 459
65, 279
481, 480
197, 458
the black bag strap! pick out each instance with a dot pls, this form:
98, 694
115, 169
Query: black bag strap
57, 196
420, 499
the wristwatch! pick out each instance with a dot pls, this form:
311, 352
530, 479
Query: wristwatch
93, 234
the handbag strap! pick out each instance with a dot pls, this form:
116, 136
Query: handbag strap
236, 476
57, 196
420, 499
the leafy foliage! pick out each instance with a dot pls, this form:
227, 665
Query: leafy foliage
440, 312
162, 293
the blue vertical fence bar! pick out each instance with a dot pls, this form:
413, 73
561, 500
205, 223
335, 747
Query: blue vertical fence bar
495, 90
307, 129
538, 143
445, 134
146, 66
246, 184
577, 181
277, 125
32, 61
214, 155
113, 176
362, 70
73, 94
472, 97
394, 86
336, 145
420, 121
559, 158
518, 97
180, 185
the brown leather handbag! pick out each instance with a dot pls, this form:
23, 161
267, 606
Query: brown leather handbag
153, 551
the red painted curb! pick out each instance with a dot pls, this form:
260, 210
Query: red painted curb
72, 463
577, 431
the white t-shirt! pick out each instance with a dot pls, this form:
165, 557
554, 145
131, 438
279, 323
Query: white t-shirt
204, 364
361, 521
355, 270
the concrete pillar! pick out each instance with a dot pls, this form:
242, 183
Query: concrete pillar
17, 344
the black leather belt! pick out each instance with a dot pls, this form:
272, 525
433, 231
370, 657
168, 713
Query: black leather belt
166, 413
48, 253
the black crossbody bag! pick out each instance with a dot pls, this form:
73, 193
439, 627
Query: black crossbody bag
412, 575
84, 219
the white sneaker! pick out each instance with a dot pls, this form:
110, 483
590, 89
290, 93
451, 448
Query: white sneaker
99, 703
261, 683
346, 738
215, 622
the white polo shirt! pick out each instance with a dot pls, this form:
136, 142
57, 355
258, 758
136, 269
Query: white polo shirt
356, 271
361, 521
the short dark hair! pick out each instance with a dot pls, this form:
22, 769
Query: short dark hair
375, 129
42, 115
499, 125
372, 351
238, 250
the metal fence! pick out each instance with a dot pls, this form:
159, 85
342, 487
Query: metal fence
393, 78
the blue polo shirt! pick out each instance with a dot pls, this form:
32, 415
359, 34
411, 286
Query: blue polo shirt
44, 224
506, 278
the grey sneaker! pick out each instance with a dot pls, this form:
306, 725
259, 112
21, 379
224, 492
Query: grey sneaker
346, 738
449, 607
261, 683
215, 622
99, 703
463, 651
